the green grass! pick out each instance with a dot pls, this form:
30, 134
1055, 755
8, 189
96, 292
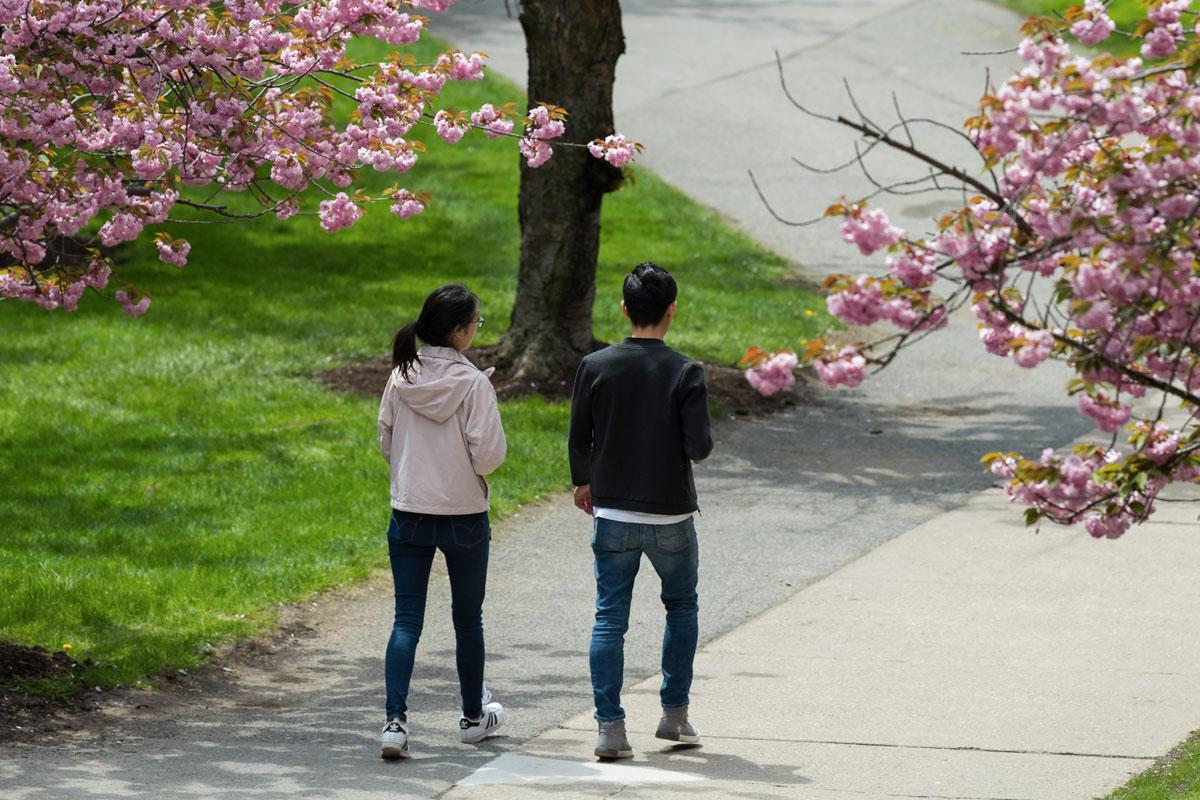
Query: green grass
1177, 777
1125, 13
167, 481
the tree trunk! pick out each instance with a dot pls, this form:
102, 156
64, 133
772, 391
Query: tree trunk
573, 46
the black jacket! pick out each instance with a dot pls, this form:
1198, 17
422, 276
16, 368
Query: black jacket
639, 417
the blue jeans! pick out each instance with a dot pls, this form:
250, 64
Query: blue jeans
412, 540
674, 553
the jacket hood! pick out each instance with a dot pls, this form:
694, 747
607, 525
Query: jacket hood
439, 384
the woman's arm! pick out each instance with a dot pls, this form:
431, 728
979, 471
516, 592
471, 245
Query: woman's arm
483, 429
387, 419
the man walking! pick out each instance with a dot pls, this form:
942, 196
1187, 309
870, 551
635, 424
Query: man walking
639, 417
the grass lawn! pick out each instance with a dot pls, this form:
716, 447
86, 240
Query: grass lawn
167, 481
1177, 777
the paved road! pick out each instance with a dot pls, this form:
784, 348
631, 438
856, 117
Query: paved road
786, 501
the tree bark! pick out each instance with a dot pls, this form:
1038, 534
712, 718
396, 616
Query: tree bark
572, 46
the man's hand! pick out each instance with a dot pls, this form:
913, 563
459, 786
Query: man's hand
583, 498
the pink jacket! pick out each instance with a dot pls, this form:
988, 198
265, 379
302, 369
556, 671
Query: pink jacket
441, 433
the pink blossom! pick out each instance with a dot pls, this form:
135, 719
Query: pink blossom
1102, 527
121, 228
134, 307
466, 68
288, 172
1034, 349
340, 212
915, 272
287, 209
536, 152
1159, 43
1110, 415
774, 374
615, 149
405, 204
492, 123
1167, 12
174, 251
859, 304
846, 368
870, 230
1096, 26
448, 128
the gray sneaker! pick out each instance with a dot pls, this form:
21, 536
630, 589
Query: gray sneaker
674, 726
612, 741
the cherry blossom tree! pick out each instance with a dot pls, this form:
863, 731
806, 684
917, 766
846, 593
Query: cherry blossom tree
113, 113
1079, 242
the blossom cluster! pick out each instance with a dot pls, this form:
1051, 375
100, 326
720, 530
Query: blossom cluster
111, 109
773, 374
1080, 244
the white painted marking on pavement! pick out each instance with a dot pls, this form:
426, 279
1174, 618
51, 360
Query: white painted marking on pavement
516, 769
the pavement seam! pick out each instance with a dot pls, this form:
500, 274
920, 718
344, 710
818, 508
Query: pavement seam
960, 748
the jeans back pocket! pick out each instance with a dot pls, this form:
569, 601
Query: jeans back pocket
674, 538
408, 528
469, 530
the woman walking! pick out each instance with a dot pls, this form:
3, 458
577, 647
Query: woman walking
440, 431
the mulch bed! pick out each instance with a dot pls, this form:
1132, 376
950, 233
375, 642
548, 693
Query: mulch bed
19, 663
22, 712
727, 386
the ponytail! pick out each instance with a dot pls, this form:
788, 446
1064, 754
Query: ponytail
447, 309
404, 349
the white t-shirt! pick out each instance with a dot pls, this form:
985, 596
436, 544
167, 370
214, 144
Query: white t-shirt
639, 517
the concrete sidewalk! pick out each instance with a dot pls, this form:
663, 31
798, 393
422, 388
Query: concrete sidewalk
968, 658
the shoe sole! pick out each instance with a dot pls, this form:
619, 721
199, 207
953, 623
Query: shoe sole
392, 752
613, 753
487, 733
672, 736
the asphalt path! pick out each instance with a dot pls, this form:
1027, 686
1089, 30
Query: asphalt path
786, 501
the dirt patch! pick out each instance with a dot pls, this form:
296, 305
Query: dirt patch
22, 712
727, 386
91, 714
20, 663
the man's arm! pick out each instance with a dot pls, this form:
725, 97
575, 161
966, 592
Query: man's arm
693, 413
580, 430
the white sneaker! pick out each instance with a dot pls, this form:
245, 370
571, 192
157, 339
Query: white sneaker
487, 695
394, 740
476, 730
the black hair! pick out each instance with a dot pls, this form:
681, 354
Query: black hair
648, 291
447, 309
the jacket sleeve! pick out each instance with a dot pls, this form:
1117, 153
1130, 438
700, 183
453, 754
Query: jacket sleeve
693, 413
483, 429
580, 430
387, 419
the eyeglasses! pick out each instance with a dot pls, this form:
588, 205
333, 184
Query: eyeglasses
479, 322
